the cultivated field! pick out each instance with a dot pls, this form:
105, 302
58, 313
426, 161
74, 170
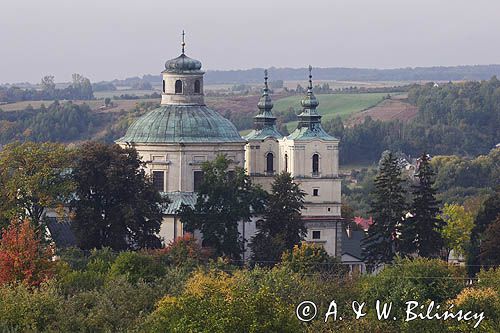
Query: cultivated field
331, 105
387, 110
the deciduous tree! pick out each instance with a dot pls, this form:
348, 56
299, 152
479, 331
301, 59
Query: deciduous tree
23, 257
224, 198
34, 177
116, 204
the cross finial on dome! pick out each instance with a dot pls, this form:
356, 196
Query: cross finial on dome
310, 77
183, 43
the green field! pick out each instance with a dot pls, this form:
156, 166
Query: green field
331, 105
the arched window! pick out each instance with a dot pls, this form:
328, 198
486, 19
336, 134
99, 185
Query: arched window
286, 162
270, 163
178, 87
163, 85
197, 87
315, 164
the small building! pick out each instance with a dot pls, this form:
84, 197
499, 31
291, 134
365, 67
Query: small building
352, 251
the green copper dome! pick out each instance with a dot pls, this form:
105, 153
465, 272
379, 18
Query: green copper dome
181, 124
182, 64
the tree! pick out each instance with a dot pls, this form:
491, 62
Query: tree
81, 88
282, 226
115, 204
486, 216
490, 245
34, 177
456, 231
48, 85
421, 232
23, 258
107, 101
224, 199
388, 207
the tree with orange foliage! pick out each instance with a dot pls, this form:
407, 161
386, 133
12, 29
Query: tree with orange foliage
184, 249
23, 258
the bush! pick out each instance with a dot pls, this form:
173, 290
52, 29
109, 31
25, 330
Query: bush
214, 301
136, 266
421, 280
308, 258
25, 310
478, 300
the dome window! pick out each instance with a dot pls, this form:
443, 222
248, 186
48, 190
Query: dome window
286, 162
178, 87
197, 87
163, 85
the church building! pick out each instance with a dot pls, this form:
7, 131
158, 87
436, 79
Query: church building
175, 139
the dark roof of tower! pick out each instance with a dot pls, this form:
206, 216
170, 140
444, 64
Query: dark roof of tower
264, 124
309, 125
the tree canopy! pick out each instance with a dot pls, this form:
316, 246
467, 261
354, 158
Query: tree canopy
115, 203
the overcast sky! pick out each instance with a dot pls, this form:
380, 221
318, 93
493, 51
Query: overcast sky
107, 39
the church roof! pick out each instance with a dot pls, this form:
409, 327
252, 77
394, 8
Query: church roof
177, 199
262, 134
183, 64
177, 123
264, 123
309, 125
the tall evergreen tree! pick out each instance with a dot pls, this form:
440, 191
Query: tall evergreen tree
282, 226
388, 207
486, 216
421, 232
115, 204
224, 199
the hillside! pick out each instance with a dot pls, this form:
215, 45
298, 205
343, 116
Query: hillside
330, 106
387, 110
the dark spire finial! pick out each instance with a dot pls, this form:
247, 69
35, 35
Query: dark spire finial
183, 43
265, 81
310, 77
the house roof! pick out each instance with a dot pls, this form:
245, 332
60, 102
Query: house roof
352, 245
61, 233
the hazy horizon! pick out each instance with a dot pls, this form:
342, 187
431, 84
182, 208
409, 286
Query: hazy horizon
119, 39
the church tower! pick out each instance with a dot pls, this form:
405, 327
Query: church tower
182, 80
311, 156
262, 149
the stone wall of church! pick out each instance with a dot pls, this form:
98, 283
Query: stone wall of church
180, 161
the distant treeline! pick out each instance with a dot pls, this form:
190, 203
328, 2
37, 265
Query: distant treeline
460, 118
80, 88
255, 75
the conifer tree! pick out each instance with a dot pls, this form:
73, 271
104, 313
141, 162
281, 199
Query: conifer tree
282, 226
387, 208
421, 232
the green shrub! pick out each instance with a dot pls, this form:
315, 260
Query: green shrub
136, 266
215, 301
28, 310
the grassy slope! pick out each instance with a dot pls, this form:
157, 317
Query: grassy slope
332, 105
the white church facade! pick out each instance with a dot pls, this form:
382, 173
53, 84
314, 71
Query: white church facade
178, 137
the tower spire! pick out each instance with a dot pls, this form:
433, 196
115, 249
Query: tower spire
183, 42
310, 78
266, 89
